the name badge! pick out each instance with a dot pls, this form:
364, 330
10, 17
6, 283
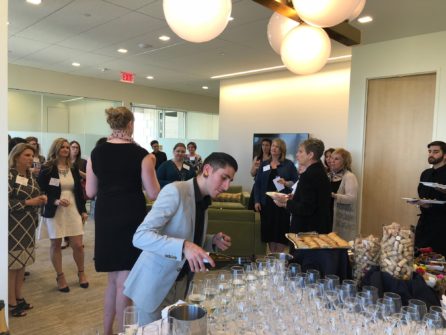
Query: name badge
187, 167
266, 168
191, 158
54, 182
21, 180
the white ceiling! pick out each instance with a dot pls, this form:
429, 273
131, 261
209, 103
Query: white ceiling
58, 32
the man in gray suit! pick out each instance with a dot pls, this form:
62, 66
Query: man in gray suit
173, 238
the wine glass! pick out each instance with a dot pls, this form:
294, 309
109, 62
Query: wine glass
150, 329
364, 300
420, 308
432, 321
371, 291
130, 320
196, 294
294, 269
395, 299
351, 284
211, 290
439, 311
312, 276
250, 272
332, 281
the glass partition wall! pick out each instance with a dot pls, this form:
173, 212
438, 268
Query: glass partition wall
49, 116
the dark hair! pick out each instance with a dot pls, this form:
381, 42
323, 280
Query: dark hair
260, 152
329, 150
440, 144
77, 161
179, 144
14, 141
219, 160
315, 146
100, 141
154, 142
193, 144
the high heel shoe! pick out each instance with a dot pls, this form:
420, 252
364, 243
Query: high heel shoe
85, 284
65, 289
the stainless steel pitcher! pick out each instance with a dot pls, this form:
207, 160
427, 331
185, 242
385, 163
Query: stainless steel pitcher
189, 319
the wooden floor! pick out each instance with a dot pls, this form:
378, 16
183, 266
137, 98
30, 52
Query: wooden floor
61, 313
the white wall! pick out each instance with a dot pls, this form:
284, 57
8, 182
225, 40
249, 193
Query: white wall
32, 79
3, 152
412, 55
284, 103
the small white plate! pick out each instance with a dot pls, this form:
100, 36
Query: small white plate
276, 195
434, 185
425, 201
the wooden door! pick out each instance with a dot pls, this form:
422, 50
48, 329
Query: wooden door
398, 127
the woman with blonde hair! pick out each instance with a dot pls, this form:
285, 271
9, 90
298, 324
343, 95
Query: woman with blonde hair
116, 173
65, 211
344, 188
274, 221
24, 201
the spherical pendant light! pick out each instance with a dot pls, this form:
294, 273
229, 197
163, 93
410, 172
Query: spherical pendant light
357, 10
278, 27
324, 13
305, 49
197, 20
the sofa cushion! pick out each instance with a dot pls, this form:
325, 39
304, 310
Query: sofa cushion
227, 205
229, 197
230, 215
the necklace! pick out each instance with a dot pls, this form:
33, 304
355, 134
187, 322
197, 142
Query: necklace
63, 172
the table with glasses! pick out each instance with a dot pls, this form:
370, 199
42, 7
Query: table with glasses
270, 297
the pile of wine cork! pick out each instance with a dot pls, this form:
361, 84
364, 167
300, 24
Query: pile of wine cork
397, 251
366, 255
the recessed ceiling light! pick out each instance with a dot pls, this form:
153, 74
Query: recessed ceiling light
164, 38
149, 77
365, 19
76, 64
122, 51
204, 87
231, 18
34, 2
7, 23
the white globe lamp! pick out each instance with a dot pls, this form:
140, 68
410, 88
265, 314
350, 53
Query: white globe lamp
305, 49
197, 20
357, 10
278, 27
324, 13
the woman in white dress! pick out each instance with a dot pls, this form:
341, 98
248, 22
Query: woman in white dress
65, 211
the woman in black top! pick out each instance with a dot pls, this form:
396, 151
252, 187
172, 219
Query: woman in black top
175, 169
116, 173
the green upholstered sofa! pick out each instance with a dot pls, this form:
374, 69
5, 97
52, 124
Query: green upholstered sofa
229, 213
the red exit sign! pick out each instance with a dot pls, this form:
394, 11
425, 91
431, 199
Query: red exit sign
128, 77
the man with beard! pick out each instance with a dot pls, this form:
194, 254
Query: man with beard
431, 228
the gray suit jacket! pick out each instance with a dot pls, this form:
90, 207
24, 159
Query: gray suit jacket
161, 237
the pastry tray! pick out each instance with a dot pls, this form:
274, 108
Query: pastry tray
290, 237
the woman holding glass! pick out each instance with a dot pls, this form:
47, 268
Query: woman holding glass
116, 173
65, 211
344, 188
24, 200
175, 169
276, 174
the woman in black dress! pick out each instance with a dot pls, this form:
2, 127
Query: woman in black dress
116, 174
274, 221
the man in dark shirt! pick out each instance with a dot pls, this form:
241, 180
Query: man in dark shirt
173, 238
160, 156
310, 204
431, 227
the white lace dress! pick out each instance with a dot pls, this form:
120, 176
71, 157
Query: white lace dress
67, 221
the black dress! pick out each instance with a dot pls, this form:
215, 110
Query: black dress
274, 220
431, 227
120, 204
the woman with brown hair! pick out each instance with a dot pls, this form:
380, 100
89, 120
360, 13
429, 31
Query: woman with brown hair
24, 201
38, 159
344, 188
116, 173
175, 169
65, 212
275, 221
